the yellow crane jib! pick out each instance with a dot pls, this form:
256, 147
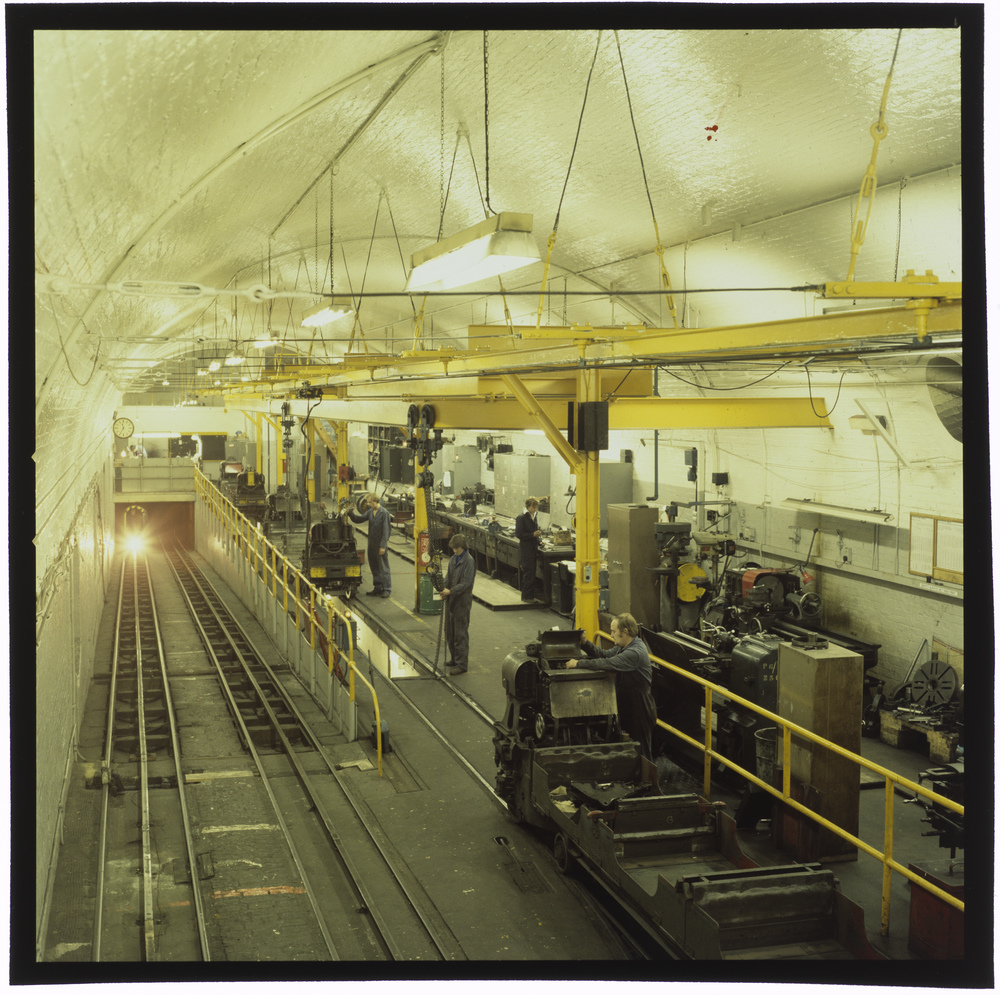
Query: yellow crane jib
921, 293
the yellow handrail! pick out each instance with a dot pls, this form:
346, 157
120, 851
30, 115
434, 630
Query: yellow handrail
788, 728
225, 512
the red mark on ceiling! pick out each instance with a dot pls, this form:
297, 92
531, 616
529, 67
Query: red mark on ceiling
713, 127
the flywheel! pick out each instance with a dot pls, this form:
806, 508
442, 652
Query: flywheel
935, 683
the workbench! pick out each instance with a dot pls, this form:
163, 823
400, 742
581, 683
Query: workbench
897, 730
498, 553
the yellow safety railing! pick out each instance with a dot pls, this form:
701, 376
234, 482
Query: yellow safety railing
258, 551
789, 729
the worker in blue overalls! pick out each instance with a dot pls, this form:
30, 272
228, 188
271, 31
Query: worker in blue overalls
457, 591
379, 530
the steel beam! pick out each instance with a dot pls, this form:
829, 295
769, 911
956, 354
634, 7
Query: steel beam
814, 336
718, 412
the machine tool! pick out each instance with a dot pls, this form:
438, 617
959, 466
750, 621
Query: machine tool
673, 861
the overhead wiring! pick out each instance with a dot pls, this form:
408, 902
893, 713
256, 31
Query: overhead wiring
811, 402
576, 139
62, 347
739, 387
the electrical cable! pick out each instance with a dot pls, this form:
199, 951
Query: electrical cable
740, 387
811, 404
579, 124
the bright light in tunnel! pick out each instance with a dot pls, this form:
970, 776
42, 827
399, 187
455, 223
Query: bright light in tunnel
134, 543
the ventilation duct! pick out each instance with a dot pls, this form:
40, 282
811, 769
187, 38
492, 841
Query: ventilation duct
944, 383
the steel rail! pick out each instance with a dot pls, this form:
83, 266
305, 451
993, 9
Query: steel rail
438, 933
95, 946
181, 789
148, 919
309, 889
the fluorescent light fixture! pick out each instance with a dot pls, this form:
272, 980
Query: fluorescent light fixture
265, 343
874, 516
494, 246
213, 366
327, 311
234, 359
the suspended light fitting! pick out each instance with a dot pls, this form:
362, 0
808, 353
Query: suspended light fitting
327, 311
497, 245
213, 366
235, 357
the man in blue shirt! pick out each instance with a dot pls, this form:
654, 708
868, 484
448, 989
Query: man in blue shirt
629, 658
379, 530
458, 583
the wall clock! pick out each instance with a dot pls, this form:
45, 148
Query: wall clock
124, 428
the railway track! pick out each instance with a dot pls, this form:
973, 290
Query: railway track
226, 832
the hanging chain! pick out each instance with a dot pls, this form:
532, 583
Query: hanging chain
869, 181
319, 283
664, 275
441, 173
486, 113
331, 231
550, 245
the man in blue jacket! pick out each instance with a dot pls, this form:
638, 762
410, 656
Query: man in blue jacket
629, 658
379, 530
458, 583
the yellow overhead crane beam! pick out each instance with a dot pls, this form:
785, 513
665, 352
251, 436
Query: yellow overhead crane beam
933, 309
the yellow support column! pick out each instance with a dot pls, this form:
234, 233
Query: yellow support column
420, 525
588, 519
343, 484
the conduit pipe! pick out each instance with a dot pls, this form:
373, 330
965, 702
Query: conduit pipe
656, 443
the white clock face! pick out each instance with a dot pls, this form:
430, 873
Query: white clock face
124, 428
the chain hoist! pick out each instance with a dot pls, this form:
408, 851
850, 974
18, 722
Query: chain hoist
869, 181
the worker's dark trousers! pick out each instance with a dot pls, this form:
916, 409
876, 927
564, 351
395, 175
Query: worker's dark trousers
381, 575
529, 557
456, 629
636, 712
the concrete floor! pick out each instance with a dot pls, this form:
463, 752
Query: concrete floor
436, 804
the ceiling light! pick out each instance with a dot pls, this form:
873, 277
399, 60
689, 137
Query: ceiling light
873, 515
166, 383
201, 371
213, 366
217, 382
327, 311
235, 357
494, 246
265, 343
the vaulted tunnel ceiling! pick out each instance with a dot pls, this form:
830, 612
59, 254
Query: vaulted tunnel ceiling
225, 158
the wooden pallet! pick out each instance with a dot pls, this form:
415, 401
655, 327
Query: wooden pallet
942, 747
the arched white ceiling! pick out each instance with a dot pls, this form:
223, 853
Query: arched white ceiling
204, 156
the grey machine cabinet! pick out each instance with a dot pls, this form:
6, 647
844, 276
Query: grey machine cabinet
517, 476
632, 551
463, 463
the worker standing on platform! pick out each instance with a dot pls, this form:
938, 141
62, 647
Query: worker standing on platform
379, 530
629, 658
458, 583
528, 535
